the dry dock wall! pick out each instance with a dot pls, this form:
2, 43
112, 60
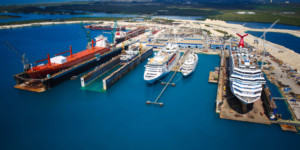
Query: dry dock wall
91, 76
118, 74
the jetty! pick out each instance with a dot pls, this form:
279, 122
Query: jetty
176, 69
163, 90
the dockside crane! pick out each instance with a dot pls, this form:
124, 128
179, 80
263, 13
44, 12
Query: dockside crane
24, 60
88, 36
264, 36
265, 32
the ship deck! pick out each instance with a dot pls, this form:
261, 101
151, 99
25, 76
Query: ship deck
70, 58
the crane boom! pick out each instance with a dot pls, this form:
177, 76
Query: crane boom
265, 32
24, 60
87, 33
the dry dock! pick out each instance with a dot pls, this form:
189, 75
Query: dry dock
122, 71
24, 82
229, 107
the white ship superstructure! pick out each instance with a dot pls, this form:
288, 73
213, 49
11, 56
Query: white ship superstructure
162, 62
129, 54
189, 64
246, 78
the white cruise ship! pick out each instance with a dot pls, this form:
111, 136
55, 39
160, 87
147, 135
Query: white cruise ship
246, 78
162, 63
189, 64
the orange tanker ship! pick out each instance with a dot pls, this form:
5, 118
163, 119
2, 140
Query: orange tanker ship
59, 63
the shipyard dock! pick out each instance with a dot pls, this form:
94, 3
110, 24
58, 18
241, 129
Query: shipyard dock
24, 82
261, 111
116, 75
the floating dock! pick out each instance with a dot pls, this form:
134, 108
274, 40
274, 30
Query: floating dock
99, 70
24, 82
118, 74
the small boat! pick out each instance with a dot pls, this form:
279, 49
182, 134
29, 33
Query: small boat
74, 77
189, 65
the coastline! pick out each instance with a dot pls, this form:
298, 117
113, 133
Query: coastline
288, 56
46, 23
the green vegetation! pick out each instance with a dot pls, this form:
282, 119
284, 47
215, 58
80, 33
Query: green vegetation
259, 17
263, 13
207, 31
162, 21
222, 11
221, 31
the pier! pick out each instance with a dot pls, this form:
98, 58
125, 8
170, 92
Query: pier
163, 90
181, 60
176, 69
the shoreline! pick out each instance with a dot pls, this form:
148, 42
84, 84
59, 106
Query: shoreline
46, 23
288, 56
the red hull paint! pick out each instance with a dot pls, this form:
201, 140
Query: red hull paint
42, 71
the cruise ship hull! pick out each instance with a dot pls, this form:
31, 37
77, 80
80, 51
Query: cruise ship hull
152, 80
164, 73
243, 100
186, 73
245, 84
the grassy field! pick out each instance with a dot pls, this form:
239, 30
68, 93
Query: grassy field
263, 13
223, 11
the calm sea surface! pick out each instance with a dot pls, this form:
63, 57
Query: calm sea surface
284, 39
66, 117
257, 25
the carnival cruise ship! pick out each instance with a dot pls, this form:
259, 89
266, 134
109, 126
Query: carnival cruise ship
246, 78
162, 63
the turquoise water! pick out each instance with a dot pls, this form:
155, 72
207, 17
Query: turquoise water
66, 117
282, 106
284, 39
